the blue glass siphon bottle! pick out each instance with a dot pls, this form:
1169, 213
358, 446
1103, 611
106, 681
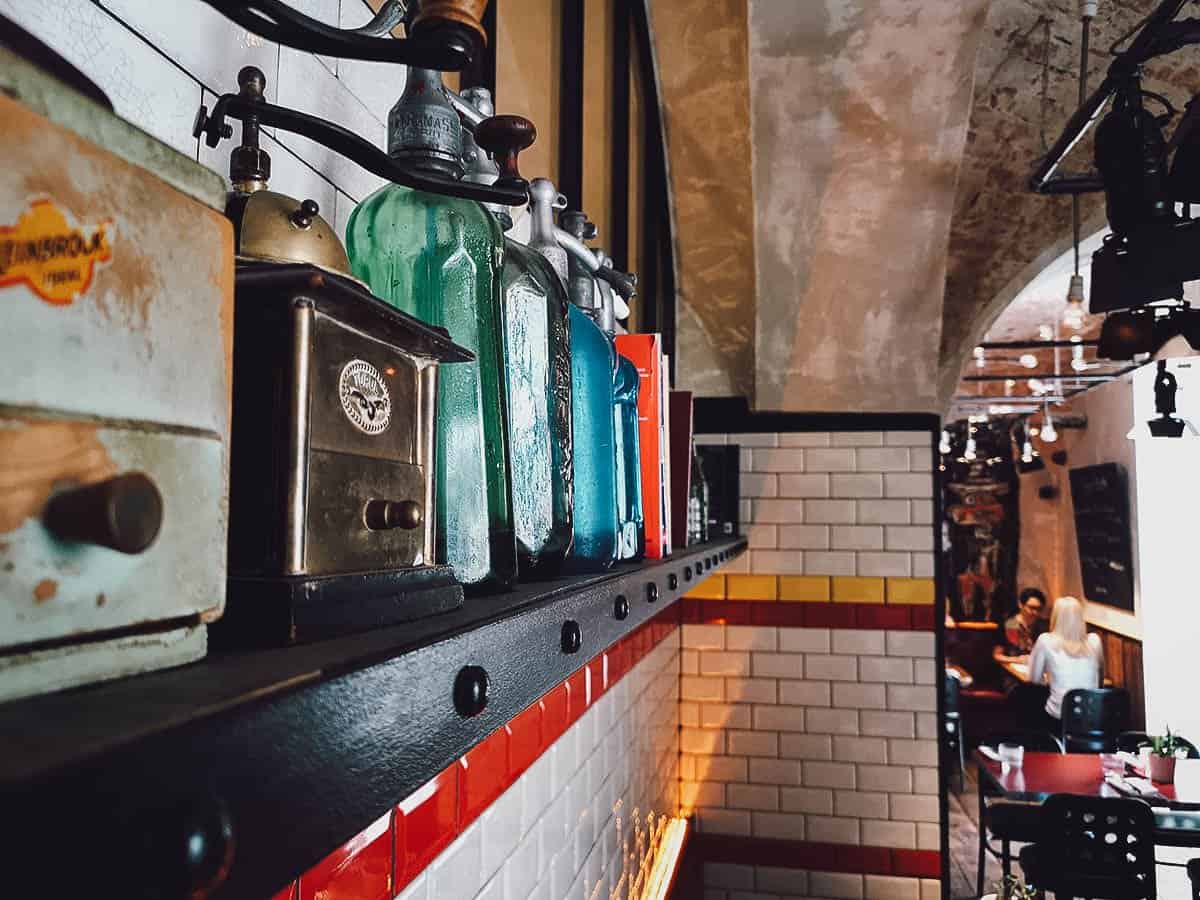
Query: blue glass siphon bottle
438, 258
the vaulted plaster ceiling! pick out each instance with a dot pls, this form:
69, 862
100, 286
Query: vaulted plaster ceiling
891, 222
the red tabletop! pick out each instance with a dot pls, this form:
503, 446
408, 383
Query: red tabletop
1043, 774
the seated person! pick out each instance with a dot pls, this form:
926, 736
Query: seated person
1066, 658
1023, 629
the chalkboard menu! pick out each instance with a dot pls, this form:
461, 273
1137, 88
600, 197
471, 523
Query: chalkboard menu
1101, 500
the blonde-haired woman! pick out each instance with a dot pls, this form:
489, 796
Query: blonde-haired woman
1066, 656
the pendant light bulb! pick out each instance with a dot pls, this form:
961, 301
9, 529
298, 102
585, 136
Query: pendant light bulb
970, 452
944, 444
1028, 361
1027, 451
979, 360
1049, 433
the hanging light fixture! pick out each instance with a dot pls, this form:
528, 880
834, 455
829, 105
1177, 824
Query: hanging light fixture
971, 451
1028, 361
1049, 434
944, 445
979, 360
1027, 451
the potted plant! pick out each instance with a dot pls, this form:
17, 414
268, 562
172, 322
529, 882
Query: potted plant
1163, 748
1011, 887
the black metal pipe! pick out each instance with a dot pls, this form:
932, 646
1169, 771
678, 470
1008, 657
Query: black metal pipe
1034, 345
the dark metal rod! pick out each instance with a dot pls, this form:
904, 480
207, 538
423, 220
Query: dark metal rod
618, 241
1034, 345
1107, 376
570, 105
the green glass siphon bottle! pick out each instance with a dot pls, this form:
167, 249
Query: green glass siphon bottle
439, 258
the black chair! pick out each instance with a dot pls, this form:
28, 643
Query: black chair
1193, 870
952, 735
1133, 741
1096, 847
1009, 820
1027, 703
1092, 719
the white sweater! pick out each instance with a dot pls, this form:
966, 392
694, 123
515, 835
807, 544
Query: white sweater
1064, 672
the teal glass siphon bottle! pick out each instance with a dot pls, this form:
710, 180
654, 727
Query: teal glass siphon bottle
630, 514
438, 258
596, 529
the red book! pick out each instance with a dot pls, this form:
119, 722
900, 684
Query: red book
681, 465
645, 352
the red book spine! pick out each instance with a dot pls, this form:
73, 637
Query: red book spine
645, 352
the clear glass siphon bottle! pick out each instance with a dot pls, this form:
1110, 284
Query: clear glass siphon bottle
537, 367
438, 258
697, 502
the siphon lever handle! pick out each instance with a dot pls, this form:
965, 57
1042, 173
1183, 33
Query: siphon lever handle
505, 137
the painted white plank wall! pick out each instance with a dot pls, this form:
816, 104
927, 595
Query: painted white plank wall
159, 59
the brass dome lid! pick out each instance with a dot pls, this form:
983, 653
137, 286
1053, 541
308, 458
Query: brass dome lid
279, 228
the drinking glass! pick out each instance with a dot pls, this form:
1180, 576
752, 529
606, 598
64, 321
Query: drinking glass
1011, 756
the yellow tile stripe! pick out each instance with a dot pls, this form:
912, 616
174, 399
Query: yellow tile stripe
816, 589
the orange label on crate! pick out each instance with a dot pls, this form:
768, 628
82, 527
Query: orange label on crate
51, 254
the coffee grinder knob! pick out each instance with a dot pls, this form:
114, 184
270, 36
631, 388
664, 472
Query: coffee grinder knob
123, 513
384, 515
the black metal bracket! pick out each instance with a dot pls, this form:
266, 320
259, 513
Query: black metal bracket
1159, 35
214, 127
240, 772
446, 49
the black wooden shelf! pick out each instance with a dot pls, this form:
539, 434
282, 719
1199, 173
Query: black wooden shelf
294, 749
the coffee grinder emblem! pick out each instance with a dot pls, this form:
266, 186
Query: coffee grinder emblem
365, 398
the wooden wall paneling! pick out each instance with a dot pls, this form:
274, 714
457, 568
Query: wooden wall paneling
597, 117
619, 245
528, 75
1135, 683
482, 71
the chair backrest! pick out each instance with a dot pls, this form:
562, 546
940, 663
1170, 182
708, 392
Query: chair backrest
1100, 847
1028, 704
1193, 870
1133, 741
1092, 719
1033, 741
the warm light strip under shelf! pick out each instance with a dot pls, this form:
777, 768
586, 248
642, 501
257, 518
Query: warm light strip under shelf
666, 863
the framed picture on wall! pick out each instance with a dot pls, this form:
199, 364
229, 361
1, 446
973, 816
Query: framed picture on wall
1100, 497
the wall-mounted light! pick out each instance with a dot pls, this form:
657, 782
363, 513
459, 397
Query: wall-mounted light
1028, 360
970, 451
980, 362
944, 444
1166, 424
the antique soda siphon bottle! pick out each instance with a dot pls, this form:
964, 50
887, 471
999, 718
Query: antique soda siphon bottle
438, 258
630, 515
697, 502
537, 367
593, 371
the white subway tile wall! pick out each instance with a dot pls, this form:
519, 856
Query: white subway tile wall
835, 503
561, 830
841, 743
843, 738
157, 61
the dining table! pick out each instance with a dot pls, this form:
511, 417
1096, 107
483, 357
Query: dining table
1176, 810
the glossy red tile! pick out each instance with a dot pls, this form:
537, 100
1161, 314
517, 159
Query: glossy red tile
829, 615
922, 618
556, 713
525, 743
483, 776
868, 860
785, 615
426, 822
691, 610
917, 863
596, 681
577, 693
361, 869
894, 617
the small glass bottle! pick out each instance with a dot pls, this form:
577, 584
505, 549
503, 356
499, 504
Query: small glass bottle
697, 503
438, 258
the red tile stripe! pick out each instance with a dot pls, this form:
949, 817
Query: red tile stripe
426, 822
816, 856
807, 615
